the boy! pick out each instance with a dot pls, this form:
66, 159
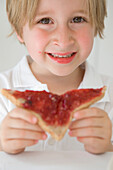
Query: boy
59, 40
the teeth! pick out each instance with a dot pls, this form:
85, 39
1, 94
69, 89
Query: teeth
60, 56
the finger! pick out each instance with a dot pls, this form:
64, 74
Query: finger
16, 146
88, 132
90, 140
86, 122
24, 134
22, 124
90, 112
23, 114
93, 145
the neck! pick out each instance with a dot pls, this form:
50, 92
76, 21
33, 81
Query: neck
61, 84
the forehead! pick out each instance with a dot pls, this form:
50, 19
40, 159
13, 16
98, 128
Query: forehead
62, 5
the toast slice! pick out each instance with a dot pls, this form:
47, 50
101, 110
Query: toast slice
54, 112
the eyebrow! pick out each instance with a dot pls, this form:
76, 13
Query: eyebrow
82, 11
43, 13
76, 11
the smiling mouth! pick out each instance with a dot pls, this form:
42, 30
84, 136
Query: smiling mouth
62, 58
59, 55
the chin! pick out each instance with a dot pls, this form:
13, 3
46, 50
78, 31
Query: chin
61, 72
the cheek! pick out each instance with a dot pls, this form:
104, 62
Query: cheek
85, 40
41, 39
35, 40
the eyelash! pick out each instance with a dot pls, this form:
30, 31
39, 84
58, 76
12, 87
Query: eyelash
76, 20
45, 19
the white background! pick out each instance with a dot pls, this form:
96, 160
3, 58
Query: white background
11, 51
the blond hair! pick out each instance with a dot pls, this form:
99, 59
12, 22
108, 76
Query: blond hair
20, 11
97, 13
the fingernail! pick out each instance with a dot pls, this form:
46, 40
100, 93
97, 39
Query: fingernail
44, 136
34, 119
36, 141
76, 115
70, 133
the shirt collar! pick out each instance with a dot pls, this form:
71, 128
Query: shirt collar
93, 79
24, 78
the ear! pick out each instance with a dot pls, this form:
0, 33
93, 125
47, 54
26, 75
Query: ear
20, 38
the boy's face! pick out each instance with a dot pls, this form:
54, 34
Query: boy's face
61, 38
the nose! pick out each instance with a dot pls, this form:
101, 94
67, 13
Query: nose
63, 37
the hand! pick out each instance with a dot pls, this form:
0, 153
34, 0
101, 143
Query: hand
18, 130
93, 128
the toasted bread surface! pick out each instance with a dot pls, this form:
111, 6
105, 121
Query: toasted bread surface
57, 132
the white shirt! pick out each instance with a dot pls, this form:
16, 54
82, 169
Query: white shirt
21, 78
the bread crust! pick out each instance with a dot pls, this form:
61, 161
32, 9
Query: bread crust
57, 132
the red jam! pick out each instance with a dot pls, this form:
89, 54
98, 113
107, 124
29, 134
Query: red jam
43, 103
55, 109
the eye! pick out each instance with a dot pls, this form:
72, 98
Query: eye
45, 21
78, 20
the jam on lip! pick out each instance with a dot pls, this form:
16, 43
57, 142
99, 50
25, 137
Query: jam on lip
62, 60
